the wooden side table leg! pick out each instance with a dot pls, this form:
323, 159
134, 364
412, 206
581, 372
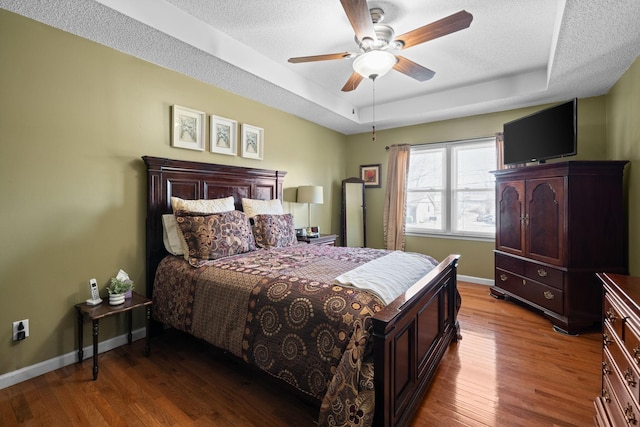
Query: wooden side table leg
130, 324
147, 347
80, 336
95, 349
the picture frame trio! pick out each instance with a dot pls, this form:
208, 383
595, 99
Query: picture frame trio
188, 131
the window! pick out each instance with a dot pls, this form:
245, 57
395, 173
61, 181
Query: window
450, 190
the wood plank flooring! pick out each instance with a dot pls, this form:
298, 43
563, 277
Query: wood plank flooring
509, 369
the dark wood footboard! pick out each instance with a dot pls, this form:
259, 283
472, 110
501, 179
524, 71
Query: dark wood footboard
410, 337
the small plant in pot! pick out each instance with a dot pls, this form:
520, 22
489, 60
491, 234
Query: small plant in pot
117, 290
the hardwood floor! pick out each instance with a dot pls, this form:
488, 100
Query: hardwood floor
509, 369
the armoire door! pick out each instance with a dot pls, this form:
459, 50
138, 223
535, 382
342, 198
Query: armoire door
545, 219
510, 217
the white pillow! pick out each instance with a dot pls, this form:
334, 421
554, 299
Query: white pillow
172, 237
204, 206
253, 207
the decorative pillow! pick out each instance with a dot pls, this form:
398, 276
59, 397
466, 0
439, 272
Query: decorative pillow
204, 206
253, 207
172, 236
215, 236
274, 231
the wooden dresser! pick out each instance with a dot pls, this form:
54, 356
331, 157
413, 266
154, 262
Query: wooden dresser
618, 404
557, 225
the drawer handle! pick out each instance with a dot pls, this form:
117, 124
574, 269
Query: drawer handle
629, 415
606, 370
542, 272
636, 354
548, 295
628, 376
503, 277
606, 339
605, 395
524, 282
611, 315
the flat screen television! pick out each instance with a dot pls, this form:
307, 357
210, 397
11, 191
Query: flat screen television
547, 134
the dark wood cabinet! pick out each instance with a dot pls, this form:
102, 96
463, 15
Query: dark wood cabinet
618, 403
557, 225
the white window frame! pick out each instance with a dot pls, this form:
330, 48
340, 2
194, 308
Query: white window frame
449, 191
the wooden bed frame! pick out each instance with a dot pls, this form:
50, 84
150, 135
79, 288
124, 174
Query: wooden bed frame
411, 334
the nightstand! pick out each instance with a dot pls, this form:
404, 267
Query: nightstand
97, 312
324, 239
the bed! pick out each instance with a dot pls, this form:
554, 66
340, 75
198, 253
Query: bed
364, 360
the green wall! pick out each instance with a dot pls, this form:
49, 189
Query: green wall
75, 118
623, 134
477, 256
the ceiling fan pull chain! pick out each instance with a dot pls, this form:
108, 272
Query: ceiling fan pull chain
373, 132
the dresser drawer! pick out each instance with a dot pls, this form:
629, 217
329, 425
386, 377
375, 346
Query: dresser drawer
547, 275
620, 365
613, 316
508, 263
632, 345
614, 406
530, 290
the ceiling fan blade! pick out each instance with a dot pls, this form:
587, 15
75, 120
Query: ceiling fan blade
411, 69
352, 83
314, 58
358, 13
452, 23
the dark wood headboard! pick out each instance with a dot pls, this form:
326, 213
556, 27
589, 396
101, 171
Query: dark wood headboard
195, 180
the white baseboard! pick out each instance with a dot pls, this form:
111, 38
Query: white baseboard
477, 280
28, 372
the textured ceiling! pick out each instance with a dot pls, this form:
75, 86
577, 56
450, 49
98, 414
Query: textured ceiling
516, 53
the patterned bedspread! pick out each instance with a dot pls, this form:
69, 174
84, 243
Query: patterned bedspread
280, 310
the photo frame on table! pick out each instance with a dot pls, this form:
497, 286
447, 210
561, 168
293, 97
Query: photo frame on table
252, 142
370, 174
187, 128
223, 136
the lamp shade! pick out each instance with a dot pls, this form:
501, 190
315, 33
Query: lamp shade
310, 194
374, 63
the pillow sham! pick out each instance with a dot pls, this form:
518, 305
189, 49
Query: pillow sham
172, 236
215, 236
204, 206
253, 207
274, 231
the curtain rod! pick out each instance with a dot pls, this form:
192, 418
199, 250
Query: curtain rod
442, 142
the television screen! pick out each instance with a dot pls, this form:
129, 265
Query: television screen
546, 134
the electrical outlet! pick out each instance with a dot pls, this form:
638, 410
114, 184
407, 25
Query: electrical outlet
20, 329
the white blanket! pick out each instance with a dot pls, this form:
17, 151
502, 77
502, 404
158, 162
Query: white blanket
390, 275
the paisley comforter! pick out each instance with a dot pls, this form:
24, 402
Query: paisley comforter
281, 310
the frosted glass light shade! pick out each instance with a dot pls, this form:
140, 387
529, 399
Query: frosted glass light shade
374, 63
310, 194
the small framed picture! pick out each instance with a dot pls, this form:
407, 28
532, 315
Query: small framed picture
223, 136
370, 174
252, 142
187, 128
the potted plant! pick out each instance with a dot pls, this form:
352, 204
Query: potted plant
117, 290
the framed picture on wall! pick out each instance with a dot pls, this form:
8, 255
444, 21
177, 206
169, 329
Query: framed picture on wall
187, 128
223, 136
252, 142
370, 174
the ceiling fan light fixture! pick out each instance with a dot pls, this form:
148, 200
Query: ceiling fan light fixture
374, 63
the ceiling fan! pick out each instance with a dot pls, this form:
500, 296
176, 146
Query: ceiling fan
375, 41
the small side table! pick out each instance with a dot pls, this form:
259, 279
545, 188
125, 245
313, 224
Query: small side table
323, 239
97, 312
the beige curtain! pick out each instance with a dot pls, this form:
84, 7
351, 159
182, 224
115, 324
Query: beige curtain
396, 196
